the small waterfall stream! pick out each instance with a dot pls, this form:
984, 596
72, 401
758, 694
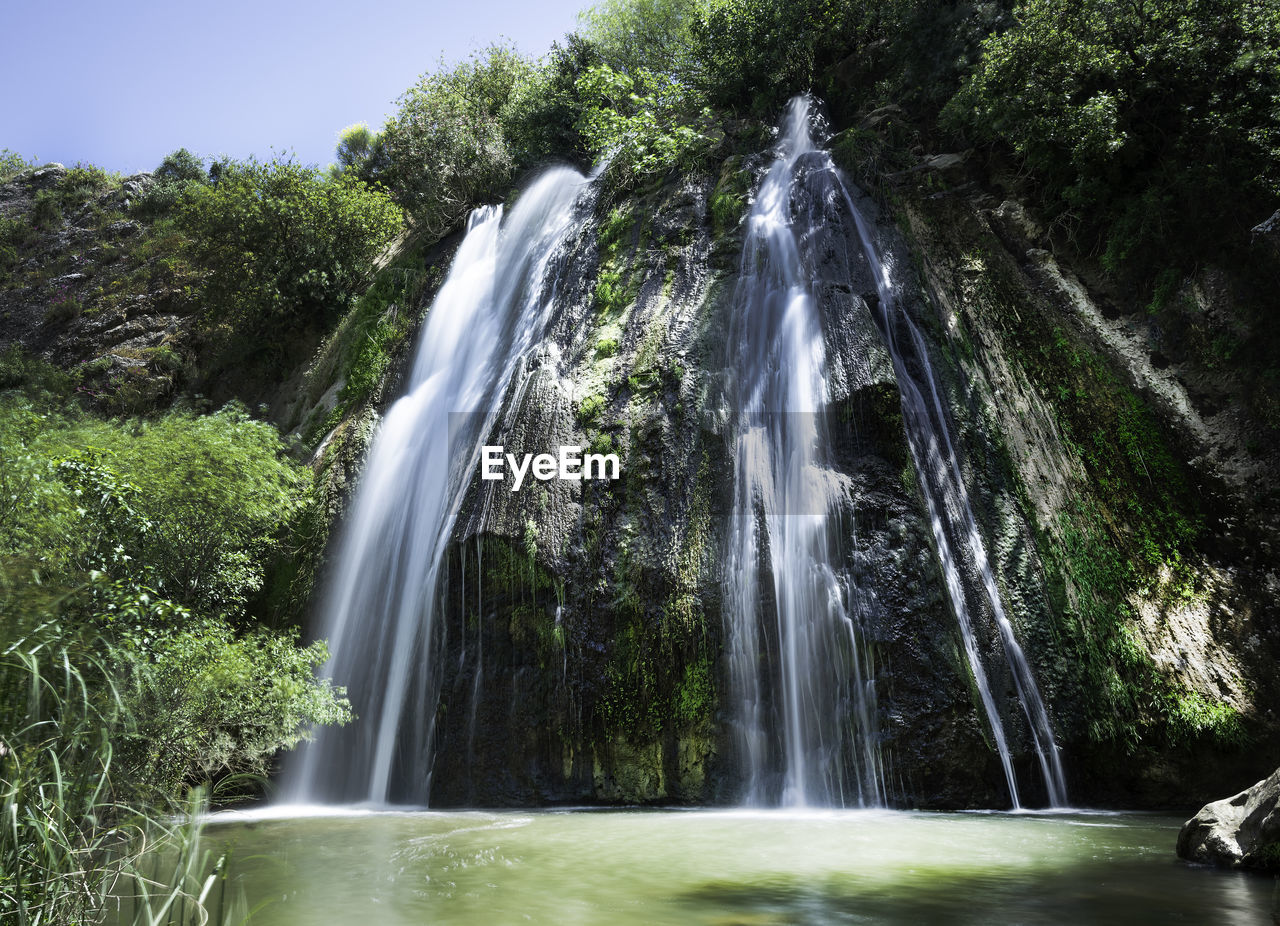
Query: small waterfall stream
787, 503
380, 611
786, 516
953, 523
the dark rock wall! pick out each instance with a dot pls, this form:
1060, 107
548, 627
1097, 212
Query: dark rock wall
584, 625
1131, 531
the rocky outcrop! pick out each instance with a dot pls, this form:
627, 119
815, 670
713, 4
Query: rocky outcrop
1239, 832
584, 634
1154, 661
81, 287
584, 649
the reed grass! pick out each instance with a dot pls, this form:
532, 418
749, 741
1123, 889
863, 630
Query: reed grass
74, 847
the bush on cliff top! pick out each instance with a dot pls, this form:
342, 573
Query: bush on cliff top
280, 249
1152, 127
462, 135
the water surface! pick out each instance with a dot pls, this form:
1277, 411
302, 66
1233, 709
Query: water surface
722, 868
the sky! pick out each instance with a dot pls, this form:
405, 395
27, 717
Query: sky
121, 84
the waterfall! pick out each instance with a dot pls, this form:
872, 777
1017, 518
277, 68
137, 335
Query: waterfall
812, 702
811, 707
380, 612
953, 523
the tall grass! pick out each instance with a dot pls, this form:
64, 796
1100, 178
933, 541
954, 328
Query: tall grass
74, 847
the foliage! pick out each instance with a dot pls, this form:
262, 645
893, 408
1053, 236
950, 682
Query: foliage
631, 36
461, 134
195, 505
356, 146
114, 696
649, 123
17, 238
219, 494
589, 409
728, 201
281, 249
1152, 126
12, 164
46, 211
209, 705
756, 54
105, 716
35, 512
20, 369
55, 777
179, 172
359, 351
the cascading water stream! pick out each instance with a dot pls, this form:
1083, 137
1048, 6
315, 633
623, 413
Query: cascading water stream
952, 520
786, 511
815, 699
380, 612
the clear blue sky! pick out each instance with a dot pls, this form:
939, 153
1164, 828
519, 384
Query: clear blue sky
122, 84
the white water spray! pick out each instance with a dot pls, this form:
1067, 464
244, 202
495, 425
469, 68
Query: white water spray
952, 521
380, 611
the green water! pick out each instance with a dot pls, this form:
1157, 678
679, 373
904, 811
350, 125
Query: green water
708, 867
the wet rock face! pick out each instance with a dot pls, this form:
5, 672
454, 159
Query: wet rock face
581, 618
584, 633
1076, 442
1239, 832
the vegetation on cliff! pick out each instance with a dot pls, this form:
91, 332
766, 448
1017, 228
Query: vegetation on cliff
132, 662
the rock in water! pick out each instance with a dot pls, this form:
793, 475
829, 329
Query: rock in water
1239, 832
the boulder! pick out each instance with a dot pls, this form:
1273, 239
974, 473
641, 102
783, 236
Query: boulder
1267, 233
44, 177
1270, 227
1239, 832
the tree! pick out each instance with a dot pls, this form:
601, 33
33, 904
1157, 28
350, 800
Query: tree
356, 145
1152, 124
281, 248
460, 136
643, 35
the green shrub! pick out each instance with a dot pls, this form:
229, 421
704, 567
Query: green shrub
82, 182
111, 700
757, 53
648, 123
46, 210
179, 172
12, 164
18, 236
114, 696
281, 250
1153, 128
208, 704
357, 145
589, 409
29, 372
63, 307
461, 135
631, 36
192, 505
